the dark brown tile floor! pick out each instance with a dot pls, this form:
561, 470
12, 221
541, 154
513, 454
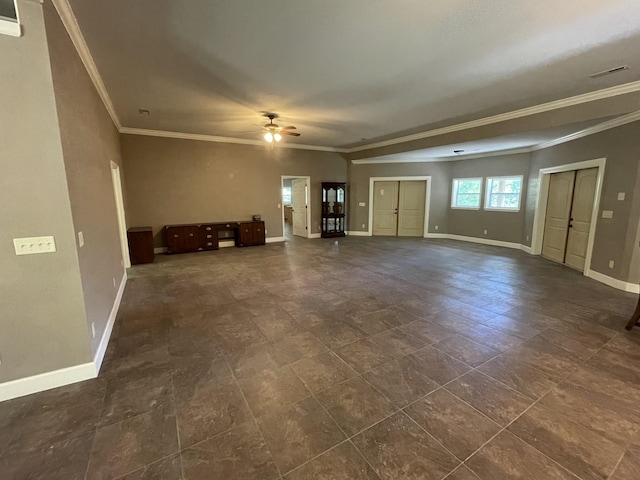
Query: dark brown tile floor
350, 359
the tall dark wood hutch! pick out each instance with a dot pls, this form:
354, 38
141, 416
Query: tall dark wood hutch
333, 209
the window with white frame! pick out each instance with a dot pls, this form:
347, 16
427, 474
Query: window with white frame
286, 195
9, 21
466, 193
503, 193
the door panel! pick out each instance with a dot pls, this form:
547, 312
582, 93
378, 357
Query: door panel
556, 223
411, 208
584, 195
299, 206
385, 208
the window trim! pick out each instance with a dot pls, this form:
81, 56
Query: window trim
454, 191
487, 197
11, 26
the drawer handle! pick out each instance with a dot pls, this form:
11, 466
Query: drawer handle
208, 228
246, 229
259, 230
208, 236
175, 236
209, 244
228, 225
191, 234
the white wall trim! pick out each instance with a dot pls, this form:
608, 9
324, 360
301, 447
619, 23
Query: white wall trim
524, 112
158, 250
358, 233
483, 241
11, 28
543, 197
526, 249
601, 127
496, 153
274, 239
45, 381
73, 29
218, 139
613, 282
106, 335
315, 235
427, 198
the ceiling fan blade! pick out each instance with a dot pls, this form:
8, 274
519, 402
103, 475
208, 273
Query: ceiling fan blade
287, 132
290, 127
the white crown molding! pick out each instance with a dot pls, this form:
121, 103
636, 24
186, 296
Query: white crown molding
73, 29
213, 138
601, 127
471, 156
524, 112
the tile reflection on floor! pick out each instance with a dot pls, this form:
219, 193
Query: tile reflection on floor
347, 359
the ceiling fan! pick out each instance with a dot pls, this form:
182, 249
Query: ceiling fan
274, 132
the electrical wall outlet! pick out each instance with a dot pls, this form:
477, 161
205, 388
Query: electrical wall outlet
621, 196
362, 204
80, 239
527, 238
611, 263
114, 281
607, 214
436, 227
93, 329
29, 245
485, 232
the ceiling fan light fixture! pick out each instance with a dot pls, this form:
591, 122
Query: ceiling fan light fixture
269, 137
277, 137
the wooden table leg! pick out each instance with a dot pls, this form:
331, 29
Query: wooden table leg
635, 317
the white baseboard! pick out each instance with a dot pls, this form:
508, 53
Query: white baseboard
358, 233
613, 282
106, 335
526, 249
274, 239
482, 241
315, 235
46, 381
160, 250
436, 235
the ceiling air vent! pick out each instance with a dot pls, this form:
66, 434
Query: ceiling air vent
610, 71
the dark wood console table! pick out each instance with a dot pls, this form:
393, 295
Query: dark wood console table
635, 318
196, 237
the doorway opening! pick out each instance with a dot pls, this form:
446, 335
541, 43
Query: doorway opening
567, 213
122, 223
296, 206
399, 206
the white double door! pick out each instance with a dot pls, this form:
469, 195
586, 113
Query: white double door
568, 220
398, 208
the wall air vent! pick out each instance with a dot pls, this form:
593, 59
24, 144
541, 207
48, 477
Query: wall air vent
610, 71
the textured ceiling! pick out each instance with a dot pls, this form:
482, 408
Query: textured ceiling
342, 70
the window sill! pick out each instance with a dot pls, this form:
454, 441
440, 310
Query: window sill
10, 27
465, 208
506, 210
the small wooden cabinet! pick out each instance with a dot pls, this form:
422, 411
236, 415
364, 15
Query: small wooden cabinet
140, 245
333, 209
250, 234
183, 238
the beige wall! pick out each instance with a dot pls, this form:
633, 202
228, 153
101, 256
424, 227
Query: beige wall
42, 326
171, 181
503, 226
614, 238
358, 190
90, 142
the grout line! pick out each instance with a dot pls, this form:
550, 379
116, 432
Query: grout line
173, 392
255, 421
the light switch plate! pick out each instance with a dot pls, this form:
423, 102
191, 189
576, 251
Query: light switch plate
81, 239
607, 214
362, 204
31, 245
621, 196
